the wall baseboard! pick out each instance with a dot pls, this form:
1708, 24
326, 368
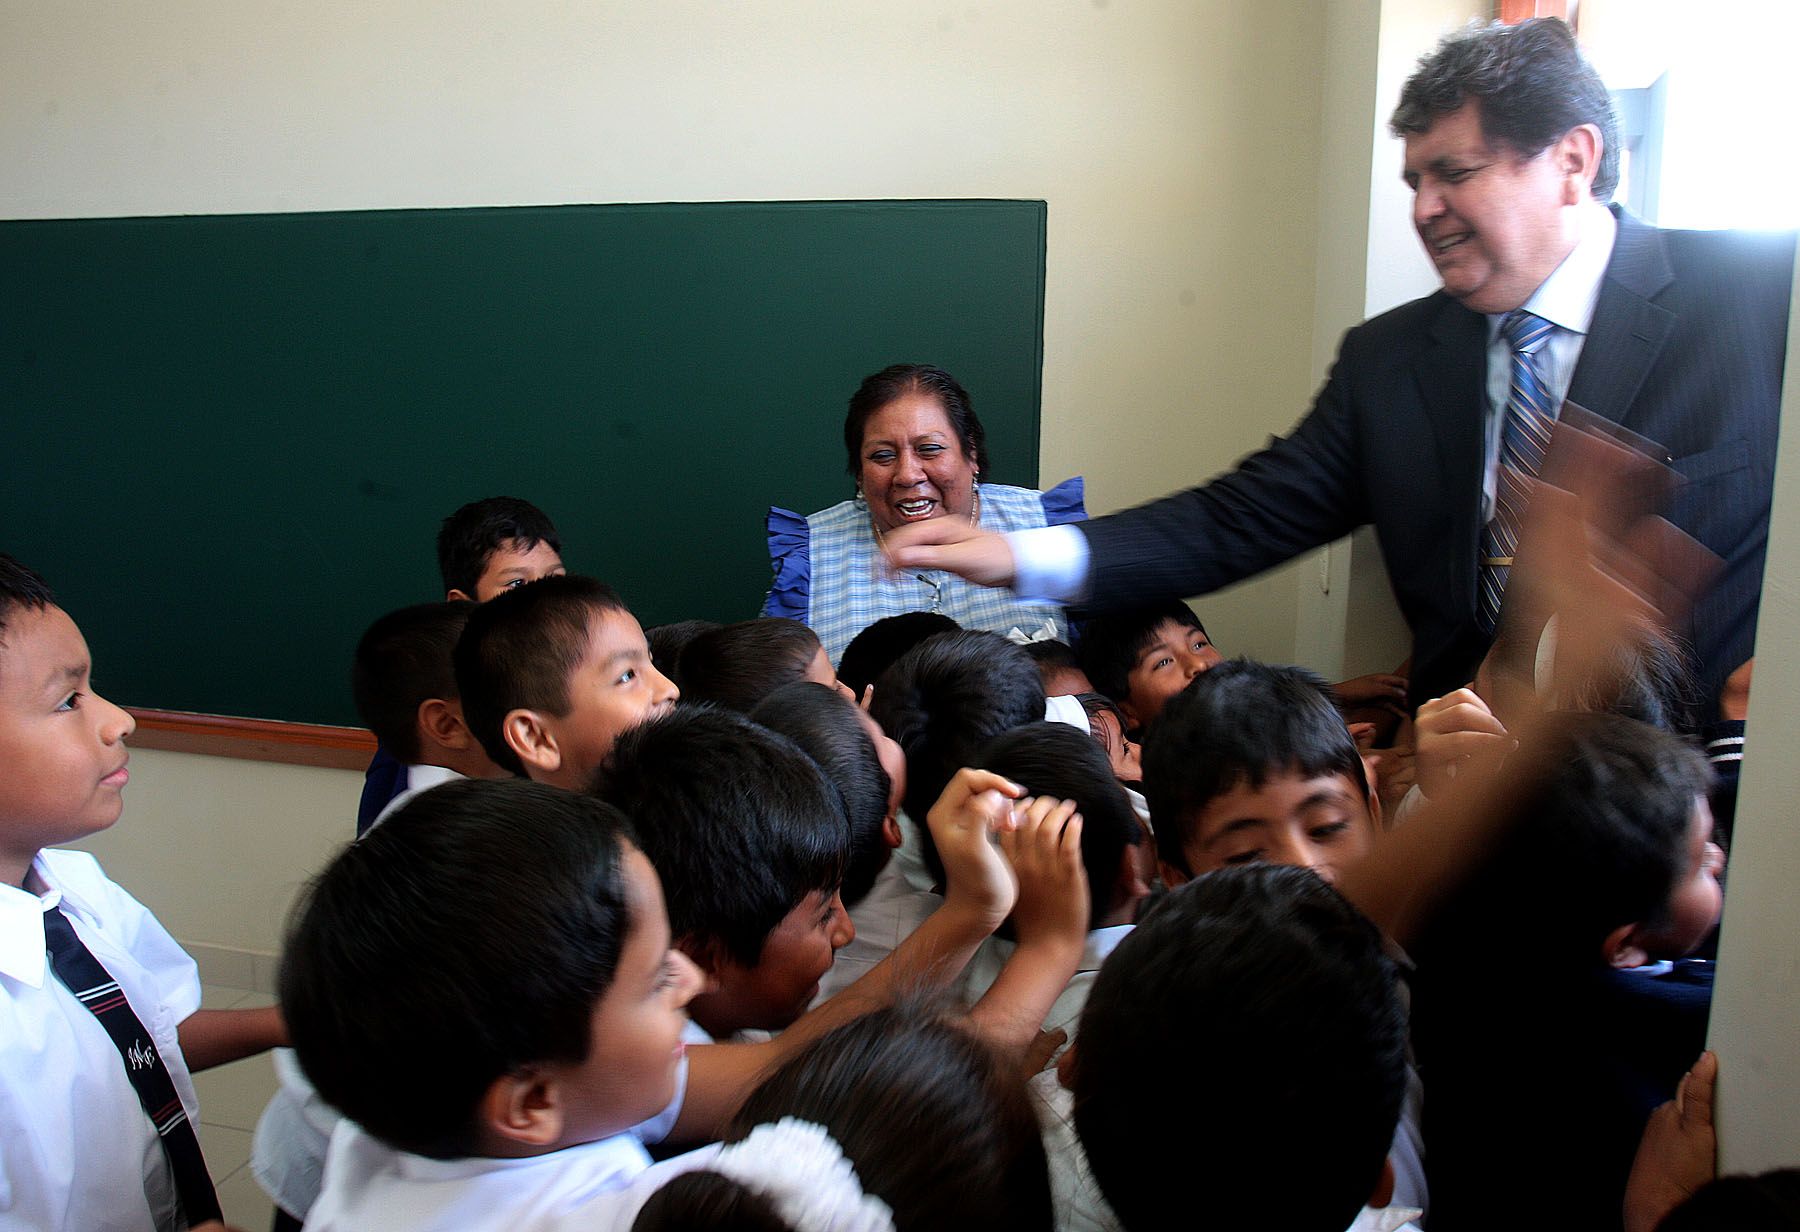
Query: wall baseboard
225, 967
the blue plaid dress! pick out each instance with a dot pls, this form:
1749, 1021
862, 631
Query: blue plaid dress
826, 572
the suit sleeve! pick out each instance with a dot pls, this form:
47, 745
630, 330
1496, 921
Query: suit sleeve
1300, 492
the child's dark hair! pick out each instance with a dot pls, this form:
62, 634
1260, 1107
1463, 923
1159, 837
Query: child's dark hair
1648, 677
880, 645
943, 702
936, 1124
1054, 759
666, 643
740, 824
403, 661
1110, 645
469, 935
1281, 1004
519, 650
739, 665
1241, 722
480, 528
1597, 842
824, 723
1051, 653
20, 587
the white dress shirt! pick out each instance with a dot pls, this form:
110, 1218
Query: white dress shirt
77, 1151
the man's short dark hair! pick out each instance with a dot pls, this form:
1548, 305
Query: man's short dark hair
468, 936
740, 824
943, 701
519, 650
824, 723
20, 587
1110, 645
740, 664
1241, 722
471, 535
1054, 759
880, 645
1260, 1003
403, 661
1530, 83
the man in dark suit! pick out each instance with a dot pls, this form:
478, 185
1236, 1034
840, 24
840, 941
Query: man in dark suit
1512, 153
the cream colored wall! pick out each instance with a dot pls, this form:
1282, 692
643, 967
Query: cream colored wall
1176, 143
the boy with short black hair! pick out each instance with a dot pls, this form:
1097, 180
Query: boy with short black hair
1283, 1006
1252, 763
739, 664
1143, 656
1605, 864
552, 673
884, 643
750, 842
404, 686
495, 544
99, 1007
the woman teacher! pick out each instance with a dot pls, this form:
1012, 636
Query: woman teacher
917, 452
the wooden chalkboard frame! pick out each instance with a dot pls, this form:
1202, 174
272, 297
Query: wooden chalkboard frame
237, 432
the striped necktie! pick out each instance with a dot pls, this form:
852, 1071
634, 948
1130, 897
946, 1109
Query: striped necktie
82, 974
1523, 440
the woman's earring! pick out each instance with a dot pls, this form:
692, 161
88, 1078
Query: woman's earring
860, 503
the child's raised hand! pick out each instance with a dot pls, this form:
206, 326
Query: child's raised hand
1044, 850
976, 803
1456, 732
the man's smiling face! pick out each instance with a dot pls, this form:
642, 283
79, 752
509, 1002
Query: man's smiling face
1492, 221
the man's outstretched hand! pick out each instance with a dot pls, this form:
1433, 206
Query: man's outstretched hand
950, 544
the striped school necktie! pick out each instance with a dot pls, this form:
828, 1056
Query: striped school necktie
82, 974
1524, 438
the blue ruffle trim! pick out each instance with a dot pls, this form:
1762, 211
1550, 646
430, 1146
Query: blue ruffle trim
790, 555
1063, 504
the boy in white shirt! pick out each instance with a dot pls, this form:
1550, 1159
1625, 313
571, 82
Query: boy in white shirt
97, 1108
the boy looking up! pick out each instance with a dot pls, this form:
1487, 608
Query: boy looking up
494, 545
551, 674
1142, 657
99, 1007
1253, 764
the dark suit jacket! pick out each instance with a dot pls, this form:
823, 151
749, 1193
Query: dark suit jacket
1686, 348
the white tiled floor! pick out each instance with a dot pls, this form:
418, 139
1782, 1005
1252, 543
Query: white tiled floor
231, 1098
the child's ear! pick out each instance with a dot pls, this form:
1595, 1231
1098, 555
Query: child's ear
1377, 815
1129, 885
1623, 948
524, 1108
708, 955
1131, 719
454, 595
890, 832
1171, 876
441, 722
531, 741
1065, 1068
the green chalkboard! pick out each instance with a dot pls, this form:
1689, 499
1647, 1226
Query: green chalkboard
229, 440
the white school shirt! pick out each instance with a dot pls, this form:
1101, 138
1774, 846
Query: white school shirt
77, 1151
596, 1187
418, 778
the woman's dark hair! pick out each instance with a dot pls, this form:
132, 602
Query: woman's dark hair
896, 382
468, 936
936, 1124
824, 723
740, 664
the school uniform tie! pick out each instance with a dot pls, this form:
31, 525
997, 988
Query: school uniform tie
1524, 438
82, 974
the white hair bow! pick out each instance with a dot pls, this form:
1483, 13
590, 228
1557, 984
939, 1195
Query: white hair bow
802, 1170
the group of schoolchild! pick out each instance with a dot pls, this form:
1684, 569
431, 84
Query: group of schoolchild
688, 928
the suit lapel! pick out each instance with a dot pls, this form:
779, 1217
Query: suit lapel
1452, 378
1628, 330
